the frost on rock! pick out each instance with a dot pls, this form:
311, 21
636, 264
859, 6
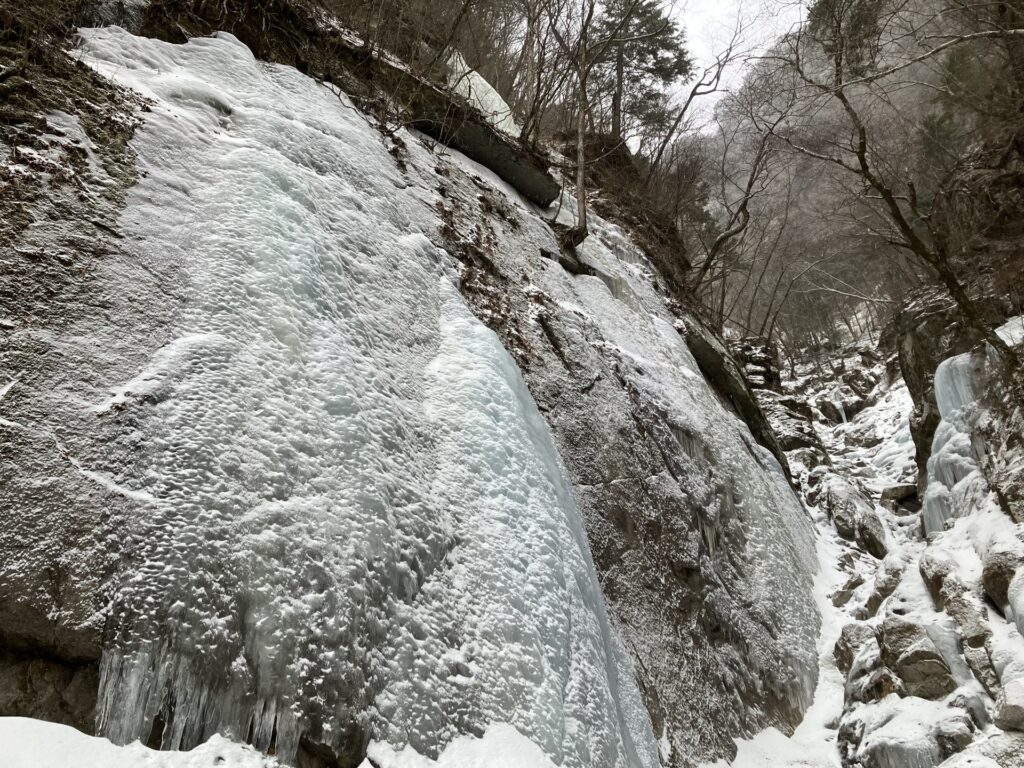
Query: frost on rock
346, 517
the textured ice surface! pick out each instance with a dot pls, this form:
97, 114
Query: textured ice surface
955, 383
956, 486
347, 516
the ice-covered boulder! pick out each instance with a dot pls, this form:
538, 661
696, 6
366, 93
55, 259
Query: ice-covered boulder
1010, 701
871, 534
909, 733
999, 566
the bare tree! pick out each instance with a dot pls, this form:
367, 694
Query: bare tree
572, 24
833, 73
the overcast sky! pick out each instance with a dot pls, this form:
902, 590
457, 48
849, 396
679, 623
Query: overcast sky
709, 25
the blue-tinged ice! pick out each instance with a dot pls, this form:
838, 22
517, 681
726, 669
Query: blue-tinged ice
349, 520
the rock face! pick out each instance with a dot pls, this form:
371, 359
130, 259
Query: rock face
35, 687
729, 381
851, 640
55, 553
668, 506
212, 461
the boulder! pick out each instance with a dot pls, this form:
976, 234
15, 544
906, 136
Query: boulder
897, 493
954, 734
935, 565
1010, 704
875, 686
910, 652
974, 704
841, 502
912, 735
969, 760
970, 619
1015, 600
973, 629
871, 533
886, 581
852, 638
843, 595
1000, 750
998, 567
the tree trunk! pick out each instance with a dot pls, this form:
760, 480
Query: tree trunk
620, 74
579, 233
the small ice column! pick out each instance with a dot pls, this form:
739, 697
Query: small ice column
955, 384
955, 483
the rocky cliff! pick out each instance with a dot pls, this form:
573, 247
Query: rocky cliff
312, 439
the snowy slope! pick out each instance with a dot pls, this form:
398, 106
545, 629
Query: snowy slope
37, 744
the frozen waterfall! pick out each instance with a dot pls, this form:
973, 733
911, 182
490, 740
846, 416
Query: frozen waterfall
348, 518
956, 486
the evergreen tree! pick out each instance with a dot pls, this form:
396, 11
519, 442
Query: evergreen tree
647, 53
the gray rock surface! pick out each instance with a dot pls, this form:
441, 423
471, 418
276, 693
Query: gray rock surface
1010, 700
852, 638
898, 493
998, 568
49, 690
910, 652
871, 533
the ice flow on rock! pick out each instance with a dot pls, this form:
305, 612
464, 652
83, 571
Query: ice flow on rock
348, 518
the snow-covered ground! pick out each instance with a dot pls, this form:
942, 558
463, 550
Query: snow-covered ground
26, 743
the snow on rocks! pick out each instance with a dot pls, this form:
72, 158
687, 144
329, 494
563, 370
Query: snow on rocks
926, 665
